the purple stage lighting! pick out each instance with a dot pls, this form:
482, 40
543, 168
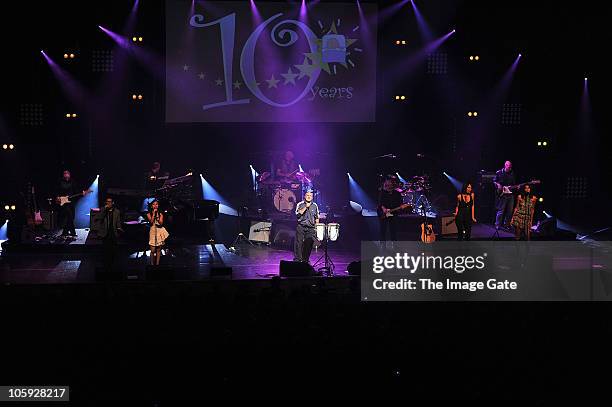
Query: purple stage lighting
257, 20
421, 23
384, 14
120, 40
303, 11
75, 92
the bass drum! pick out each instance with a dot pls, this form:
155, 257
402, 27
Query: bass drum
284, 200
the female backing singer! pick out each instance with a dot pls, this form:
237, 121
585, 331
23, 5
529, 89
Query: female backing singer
522, 219
158, 233
464, 212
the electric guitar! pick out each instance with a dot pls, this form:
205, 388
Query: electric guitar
507, 189
37, 218
63, 200
33, 217
390, 212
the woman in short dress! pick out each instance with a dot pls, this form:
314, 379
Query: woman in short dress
158, 233
522, 219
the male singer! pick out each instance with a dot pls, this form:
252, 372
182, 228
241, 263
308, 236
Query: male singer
109, 219
307, 213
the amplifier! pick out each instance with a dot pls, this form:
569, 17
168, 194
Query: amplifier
449, 229
260, 231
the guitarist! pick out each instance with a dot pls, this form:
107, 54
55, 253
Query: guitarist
504, 202
66, 212
389, 199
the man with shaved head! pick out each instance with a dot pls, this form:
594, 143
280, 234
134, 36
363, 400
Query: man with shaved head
505, 199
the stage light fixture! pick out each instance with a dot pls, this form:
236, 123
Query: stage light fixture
67, 115
511, 114
539, 144
31, 114
74, 115
139, 39
576, 187
72, 56
6, 207
102, 61
139, 97
437, 63
134, 39
11, 146
134, 97
541, 199
65, 56
5, 146
13, 207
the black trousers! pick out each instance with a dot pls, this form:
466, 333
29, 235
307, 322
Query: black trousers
304, 240
464, 225
388, 223
505, 207
66, 215
110, 251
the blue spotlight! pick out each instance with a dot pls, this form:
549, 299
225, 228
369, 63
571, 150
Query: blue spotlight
208, 192
402, 180
456, 183
3, 229
84, 205
254, 176
358, 196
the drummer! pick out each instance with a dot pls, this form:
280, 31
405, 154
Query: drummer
287, 167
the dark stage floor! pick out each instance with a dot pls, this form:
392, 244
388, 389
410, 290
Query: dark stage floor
51, 260
188, 263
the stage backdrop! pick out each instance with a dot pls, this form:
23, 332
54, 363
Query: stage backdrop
226, 62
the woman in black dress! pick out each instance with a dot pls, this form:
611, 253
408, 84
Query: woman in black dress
464, 212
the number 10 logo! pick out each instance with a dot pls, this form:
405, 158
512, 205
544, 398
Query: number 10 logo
227, 26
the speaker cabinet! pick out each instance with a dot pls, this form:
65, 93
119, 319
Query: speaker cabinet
295, 269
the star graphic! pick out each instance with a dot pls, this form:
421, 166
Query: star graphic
219, 82
185, 68
272, 82
237, 85
254, 84
317, 61
289, 77
319, 42
201, 75
305, 69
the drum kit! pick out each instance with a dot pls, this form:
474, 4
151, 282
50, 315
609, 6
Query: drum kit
283, 194
414, 193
